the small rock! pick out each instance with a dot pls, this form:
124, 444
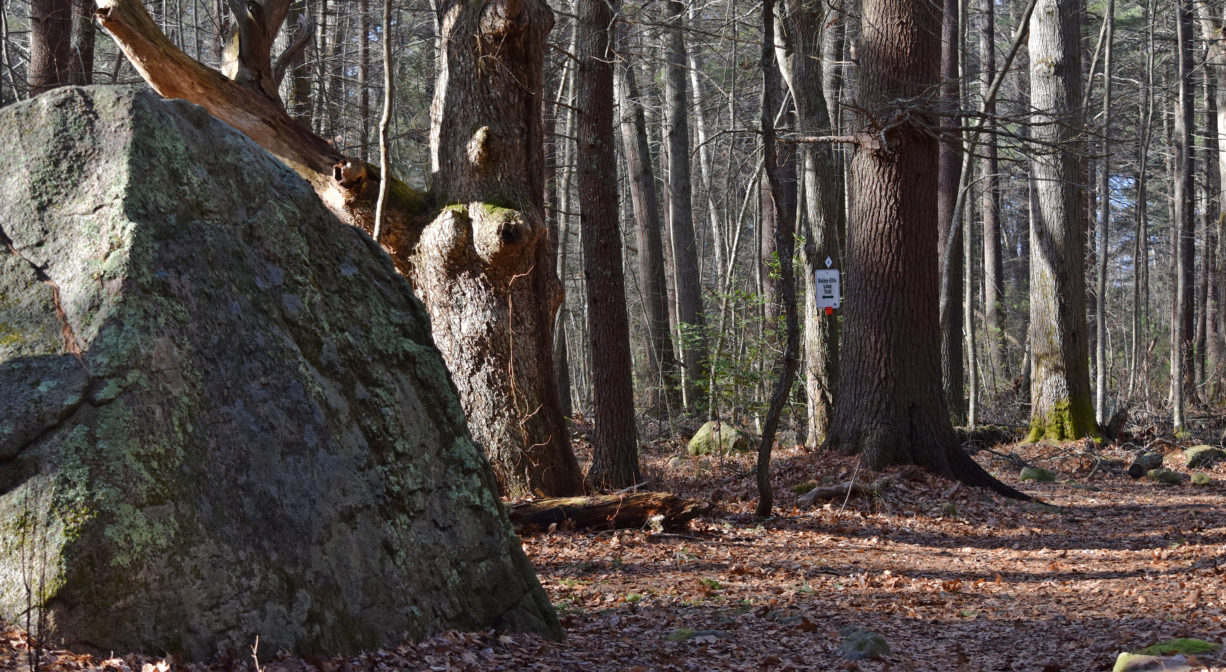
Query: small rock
1134, 662
1201, 478
1165, 476
1038, 474
1203, 456
862, 644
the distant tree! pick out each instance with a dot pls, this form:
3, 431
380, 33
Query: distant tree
615, 459
50, 44
1061, 406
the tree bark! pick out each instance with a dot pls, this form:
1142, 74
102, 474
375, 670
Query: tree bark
50, 44
890, 404
691, 320
644, 197
615, 457
1061, 406
803, 42
482, 265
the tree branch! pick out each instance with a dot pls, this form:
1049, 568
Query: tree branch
347, 186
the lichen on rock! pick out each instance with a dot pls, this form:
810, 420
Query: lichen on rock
259, 436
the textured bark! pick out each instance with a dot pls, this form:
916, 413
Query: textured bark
482, 266
1061, 407
661, 360
50, 44
690, 316
890, 404
949, 172
993, 268
823, 198
606, 512
615, 457
364, 78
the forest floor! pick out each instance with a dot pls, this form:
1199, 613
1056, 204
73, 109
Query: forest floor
953, 578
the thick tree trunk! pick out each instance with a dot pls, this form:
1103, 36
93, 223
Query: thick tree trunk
950, 267
615, 457
823, 199
644, 197
1061, 406
482, 266
690, 318
50, 44
890, 404
81, 62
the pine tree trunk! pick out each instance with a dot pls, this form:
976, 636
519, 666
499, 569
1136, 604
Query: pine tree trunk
890, 404
1061, 405
615, 458
50, 44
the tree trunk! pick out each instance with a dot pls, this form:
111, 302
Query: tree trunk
1215, 67
482, 265
1061, 406
890, 404
1104, 227
823, 198
615, 457
948, 169
364, 78
691, 320
993, 268
789, 361
1183, 387
662, 362
50, 44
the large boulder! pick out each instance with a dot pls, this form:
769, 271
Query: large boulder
221, 411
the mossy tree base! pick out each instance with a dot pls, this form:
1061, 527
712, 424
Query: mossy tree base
1066, 421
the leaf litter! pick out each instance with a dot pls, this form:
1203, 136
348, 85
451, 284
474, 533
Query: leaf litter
952, 577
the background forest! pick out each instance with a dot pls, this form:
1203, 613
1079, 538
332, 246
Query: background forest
1141, 294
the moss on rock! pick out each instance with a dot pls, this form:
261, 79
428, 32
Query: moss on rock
719, 438
259, 437
1199, 457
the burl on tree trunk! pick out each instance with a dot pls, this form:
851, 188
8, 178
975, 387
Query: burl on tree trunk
474, 248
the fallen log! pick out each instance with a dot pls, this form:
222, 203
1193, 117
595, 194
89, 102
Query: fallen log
849, 489
606, 512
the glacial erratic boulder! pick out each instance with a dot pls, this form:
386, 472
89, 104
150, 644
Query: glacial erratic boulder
221, 411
